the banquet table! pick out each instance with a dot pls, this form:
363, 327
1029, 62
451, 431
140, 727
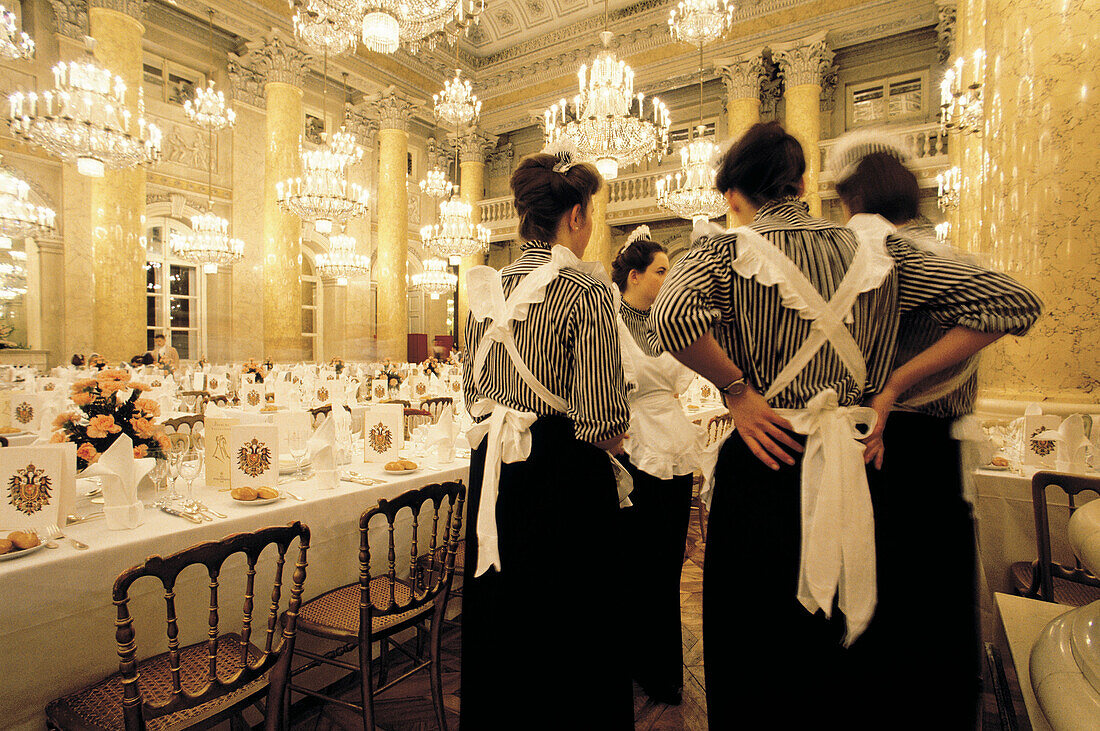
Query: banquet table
57, 630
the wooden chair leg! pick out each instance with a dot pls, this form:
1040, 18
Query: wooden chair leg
435, 672
366, 684
383, 662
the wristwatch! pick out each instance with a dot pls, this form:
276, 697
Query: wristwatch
734, 388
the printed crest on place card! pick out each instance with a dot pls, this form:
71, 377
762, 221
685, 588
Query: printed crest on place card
1039, 452
37, 481
254, 455
383, 432
379, 389
25, 410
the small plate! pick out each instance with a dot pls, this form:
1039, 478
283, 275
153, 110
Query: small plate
289, 468
401, 472
11, 555
257, 501
997, 468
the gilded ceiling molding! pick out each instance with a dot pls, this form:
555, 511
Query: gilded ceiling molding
742, 76
71, 17
805, 61
945, 29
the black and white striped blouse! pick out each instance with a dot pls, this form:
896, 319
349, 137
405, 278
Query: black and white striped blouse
702, 292
637, 322
569, 342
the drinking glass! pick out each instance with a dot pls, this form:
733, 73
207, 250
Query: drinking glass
175, 455
190, 466
299, 446
159, 475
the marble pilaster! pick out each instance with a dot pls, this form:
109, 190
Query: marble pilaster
741, 77
803, 64
359, 320
51, 279
599, 246
118, 204
473, 148
334, 304
247, 278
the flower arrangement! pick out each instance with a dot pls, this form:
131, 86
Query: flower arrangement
102, 414
95, 360
432, 367
392, 375
255, 368
268, 364
338, 364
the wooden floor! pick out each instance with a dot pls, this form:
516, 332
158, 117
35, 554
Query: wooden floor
408, 707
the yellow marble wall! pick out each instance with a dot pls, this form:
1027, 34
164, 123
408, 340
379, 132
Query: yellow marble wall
358, 343
599, 246
803, 121
472, 189
741, 113
117, 205
1040, 197
282, 290
247, 278
393, 245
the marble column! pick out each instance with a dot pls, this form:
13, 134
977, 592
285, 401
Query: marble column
359, 317
803, 64
741, 77
334, 320
947, 28
599, 246
1039, 195
283, 67
391, 260
51, 279
118, 200
473, 148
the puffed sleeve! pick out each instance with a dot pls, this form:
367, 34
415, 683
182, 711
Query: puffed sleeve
695, 295
598, 403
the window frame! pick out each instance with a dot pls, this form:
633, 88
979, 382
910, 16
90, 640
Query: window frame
886, 82
163, 261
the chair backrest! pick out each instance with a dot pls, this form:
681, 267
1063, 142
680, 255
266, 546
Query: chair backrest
3, 441
245, 665
317, 412
717, 427
415, 418
194, 401
401, 401
191, 425
430, 573
435, 405
1072, 485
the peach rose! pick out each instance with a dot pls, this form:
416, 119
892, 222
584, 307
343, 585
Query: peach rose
138, 386
82, 399
109, 387
58, 437
86, 384
64, 420
147, 405
112, 375
164, 442
143, 428
102, 425
141, 451
87, 452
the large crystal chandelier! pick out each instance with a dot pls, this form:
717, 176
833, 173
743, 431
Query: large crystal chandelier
208, 110
435, 279
700, 22
455, 236
20, 217
435, 184
341, 262
13, 280
85, 118
606, 124
387, 24
329, 26
456, 105
691, 194
961, 106
13, 43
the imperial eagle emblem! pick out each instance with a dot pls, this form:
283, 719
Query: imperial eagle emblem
49, 387
380, 438
379, 391
322, 394
254, 458
213, 383
421, 388
24, 413
29, 489
253, 398
1041, 447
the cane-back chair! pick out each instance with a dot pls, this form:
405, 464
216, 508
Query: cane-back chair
436, 405
317, 412
192, 425
1045, 578
194, 401
218, 399
415, 418
378, 607
717, 427
199, 685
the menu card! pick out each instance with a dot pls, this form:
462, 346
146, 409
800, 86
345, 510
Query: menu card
379, 390
39, 485
25, 410
251, 396
383, 432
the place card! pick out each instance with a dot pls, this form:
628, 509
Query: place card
251, 396
383, 432
254, 455
379, 390
218, 464
39, 485
1039, 452
25, 410
322, 392
454, 385
418, 388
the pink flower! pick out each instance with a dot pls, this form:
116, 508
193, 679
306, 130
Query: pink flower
147, 405
143, 428
58, 437
87, 452
109, 387
102, 425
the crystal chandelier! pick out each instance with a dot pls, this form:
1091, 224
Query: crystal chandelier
208, 244
329, 26
700, 22
13, 280
13, 44
435, 184
455, 236
456, 105
691, 194
387, 24
84, 118
606, 125
341, 262
435, 279
208, 110
949, 184
20, 217
961, 107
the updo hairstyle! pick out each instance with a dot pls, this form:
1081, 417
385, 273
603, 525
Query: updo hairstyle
542, 195
882, 185
766, 164
637, 255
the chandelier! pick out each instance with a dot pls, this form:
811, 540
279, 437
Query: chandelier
435, 184
19, 216
435, 279
84, 118
455, 236
456, 105
208, 110
606, 125
13, 280
387, 24
329, 26
341, 262
700, 22
949, 183
208, 243
13, 44
943, 232
691, 194
961, 107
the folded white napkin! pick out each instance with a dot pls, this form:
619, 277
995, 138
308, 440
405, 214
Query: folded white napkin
1072, 445
322, 449
120, 474
442, 434
243, 417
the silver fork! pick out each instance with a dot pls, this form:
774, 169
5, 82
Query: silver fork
55, 532
202, 506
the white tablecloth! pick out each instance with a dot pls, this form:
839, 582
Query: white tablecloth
57, 621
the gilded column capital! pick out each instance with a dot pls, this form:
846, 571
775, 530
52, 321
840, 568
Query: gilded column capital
359, 122
437, 153
805, 62
133, 8
741, 76
501, 159
945, 29
246, 82
391, 109
72, 18
276, 59
473, 145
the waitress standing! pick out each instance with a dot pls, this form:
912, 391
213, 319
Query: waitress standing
543, 379
663, 447
794, 319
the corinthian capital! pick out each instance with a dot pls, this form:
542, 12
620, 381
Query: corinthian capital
804, 62
134, 8
275, 58
391, 109
741, 76
473, 145
72, 18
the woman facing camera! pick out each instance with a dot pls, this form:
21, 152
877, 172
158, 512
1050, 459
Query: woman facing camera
663, 447
543, 379
794, 319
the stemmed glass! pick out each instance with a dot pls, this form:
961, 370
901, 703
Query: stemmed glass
159, 474
299, 446
175, 456
190, 465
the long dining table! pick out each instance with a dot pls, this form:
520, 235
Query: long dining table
57, 619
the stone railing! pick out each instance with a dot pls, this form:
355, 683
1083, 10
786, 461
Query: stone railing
633, 197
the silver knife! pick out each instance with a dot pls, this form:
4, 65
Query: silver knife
187, 516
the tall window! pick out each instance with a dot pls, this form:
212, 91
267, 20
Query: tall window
311, 309
888, 100
175, 295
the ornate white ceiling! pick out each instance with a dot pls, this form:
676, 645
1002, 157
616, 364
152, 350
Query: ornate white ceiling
510, 22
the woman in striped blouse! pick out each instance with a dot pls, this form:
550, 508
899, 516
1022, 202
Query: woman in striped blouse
543, 377
794, 319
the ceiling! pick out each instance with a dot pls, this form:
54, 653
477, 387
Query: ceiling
506, 23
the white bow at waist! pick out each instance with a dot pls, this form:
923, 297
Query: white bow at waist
509, 432
838, 523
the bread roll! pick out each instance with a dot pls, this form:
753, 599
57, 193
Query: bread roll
267, 493
22, 541
5, 546
243, 493
409, 465
395, 466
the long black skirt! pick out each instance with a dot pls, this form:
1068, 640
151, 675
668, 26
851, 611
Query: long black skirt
654, 533
543, 638
765, 655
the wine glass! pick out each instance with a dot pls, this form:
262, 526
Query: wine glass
299, 446
175, 455
190, 465
159, 474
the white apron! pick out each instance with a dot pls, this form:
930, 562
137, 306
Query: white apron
837, 549
508, 429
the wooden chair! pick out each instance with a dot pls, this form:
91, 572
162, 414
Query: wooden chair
219, 399
194, 401
401, 401
1045, 578
435, 405
191, 425
717, 428
3, 441
206, 683
378, 607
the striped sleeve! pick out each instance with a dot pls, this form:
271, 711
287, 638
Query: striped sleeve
694, 295
598, 403
956, 293
472, 337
